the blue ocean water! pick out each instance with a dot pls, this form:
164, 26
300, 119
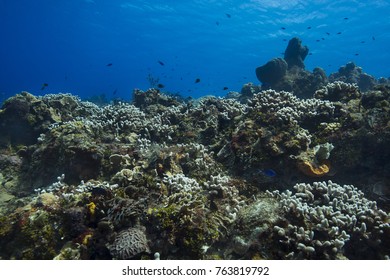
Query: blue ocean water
94, 47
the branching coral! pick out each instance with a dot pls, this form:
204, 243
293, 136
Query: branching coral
338, 91
326, 221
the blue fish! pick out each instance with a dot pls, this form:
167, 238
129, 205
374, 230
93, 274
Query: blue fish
267, 172
44, 86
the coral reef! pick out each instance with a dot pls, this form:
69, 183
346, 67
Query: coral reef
289, 74
329, 221
338, 91
212, 178
352, 74
322, 220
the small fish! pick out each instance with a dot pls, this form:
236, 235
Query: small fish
373, 38
96, 191
327, 33
225, 88
283, 28
115, 91
322, 38
362, 42
197, 80
228, 15
284, 40
217, 22
346, 18
356, 54
161, 63
267, 172
310, 53
318, 40
309, 27
338, 33
160, 86
44, 85
109, 64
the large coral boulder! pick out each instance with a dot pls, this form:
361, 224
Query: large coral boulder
289, 74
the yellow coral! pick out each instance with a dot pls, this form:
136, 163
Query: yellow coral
91, 208
314, 170
86, 238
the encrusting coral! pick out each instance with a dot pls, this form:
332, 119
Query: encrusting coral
312, 169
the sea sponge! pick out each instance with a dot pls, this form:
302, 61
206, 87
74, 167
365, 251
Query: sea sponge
91, 208
314, 170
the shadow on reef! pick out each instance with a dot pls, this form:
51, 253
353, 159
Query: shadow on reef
261, 174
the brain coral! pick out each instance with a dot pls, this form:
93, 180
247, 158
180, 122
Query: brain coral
129, 243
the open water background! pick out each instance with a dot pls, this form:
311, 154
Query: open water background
67, 44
